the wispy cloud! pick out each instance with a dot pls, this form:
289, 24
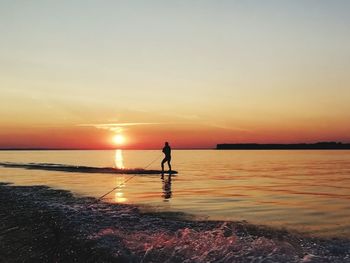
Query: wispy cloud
225, 127
116, 127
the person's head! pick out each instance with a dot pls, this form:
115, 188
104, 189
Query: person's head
166, 144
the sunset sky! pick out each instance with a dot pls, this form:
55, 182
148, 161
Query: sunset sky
73, 74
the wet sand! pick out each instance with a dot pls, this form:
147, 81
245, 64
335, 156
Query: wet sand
40, 224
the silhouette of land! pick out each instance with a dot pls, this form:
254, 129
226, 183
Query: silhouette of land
297, 146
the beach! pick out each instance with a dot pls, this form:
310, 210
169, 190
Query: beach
41, 224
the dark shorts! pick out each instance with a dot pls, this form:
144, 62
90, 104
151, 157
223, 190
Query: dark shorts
166, 159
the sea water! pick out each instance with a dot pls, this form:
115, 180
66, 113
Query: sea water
308, 190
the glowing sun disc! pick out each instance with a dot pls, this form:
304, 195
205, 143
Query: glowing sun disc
118, 139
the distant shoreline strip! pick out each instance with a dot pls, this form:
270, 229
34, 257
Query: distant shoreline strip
298, 146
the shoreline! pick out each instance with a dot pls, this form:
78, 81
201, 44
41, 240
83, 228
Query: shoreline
282, 146
41, 224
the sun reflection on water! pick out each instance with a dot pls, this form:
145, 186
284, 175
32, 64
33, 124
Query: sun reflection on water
119, 164
119, 192
118, 159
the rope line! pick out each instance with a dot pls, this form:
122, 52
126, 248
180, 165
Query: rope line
152, 162
125, 181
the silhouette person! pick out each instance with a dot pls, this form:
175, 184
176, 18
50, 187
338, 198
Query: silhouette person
167, 151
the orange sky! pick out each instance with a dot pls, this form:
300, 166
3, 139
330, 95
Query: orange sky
153, 136
195, 73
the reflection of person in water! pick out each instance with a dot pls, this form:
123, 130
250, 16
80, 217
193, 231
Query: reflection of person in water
166, 187
167, 151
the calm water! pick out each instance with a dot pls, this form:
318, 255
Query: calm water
304, 190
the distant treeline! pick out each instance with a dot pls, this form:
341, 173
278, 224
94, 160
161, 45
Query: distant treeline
297, 146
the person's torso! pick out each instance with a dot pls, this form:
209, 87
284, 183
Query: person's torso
167, 150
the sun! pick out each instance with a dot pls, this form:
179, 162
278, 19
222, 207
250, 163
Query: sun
118, 139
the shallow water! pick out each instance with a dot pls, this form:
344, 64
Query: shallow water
304, 190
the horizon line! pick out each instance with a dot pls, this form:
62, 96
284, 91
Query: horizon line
100, 149
156, 148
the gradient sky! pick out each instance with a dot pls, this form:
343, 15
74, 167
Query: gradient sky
196, 73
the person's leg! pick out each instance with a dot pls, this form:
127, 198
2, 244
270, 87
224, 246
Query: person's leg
164, 160
169, 164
